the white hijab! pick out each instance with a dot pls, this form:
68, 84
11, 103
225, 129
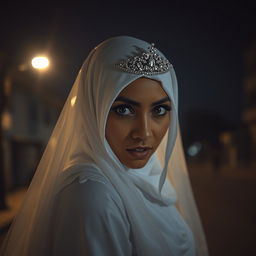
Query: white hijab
78, 148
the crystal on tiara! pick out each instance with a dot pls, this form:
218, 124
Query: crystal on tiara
145, 63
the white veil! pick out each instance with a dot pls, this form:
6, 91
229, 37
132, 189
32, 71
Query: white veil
78, 148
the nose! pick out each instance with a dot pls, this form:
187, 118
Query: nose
142, 129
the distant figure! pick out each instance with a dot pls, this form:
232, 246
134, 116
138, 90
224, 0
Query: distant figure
101, 187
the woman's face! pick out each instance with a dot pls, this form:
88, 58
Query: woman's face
137, 122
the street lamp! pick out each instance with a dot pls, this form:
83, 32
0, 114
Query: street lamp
40, 62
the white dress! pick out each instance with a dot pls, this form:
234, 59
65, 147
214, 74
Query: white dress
100, 218
90, 219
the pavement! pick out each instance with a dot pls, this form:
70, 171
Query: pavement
226, 199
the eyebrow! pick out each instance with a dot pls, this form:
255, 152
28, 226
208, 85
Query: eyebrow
135, 103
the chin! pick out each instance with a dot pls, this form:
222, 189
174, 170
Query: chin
136, 164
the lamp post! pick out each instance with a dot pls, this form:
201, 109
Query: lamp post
39, 63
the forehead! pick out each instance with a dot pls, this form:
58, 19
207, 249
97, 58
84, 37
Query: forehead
144, 89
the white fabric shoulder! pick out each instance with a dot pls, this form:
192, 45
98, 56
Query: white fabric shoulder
78, 152
89, 219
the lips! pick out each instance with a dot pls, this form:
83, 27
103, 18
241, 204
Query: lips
139, 153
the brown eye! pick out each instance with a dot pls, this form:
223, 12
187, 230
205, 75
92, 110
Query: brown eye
161, 110
123, 110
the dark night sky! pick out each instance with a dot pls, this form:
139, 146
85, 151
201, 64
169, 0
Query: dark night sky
205, 43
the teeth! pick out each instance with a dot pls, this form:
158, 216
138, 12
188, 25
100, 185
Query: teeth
139, 149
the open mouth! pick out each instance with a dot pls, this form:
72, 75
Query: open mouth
139, 152
137, 149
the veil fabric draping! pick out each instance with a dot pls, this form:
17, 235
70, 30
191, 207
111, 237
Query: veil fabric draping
78, 149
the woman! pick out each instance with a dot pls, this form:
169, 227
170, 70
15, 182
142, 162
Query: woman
101, 186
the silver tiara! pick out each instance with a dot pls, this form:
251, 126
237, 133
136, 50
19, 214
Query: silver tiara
145, 63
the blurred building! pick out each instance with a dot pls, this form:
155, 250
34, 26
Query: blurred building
226, 145
239, 146
28, 117
249, 114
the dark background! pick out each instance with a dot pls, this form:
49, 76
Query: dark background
206, 42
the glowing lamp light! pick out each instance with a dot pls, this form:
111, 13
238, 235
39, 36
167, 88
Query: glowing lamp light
40, 62
6, 120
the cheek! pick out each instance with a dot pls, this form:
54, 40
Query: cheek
115, 130
162, 129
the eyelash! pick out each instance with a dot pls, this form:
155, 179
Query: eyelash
115, 109
122, 106
167, 108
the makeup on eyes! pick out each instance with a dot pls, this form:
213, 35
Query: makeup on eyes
128, 110
167, 108
119, 109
